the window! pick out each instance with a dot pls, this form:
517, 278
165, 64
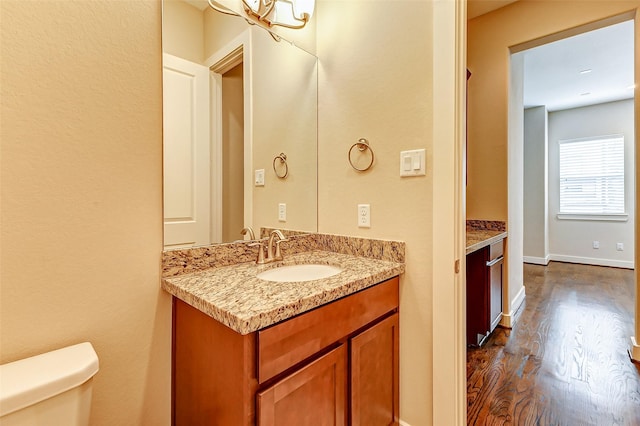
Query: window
592, 176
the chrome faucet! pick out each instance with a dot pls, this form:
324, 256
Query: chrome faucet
273, 253
248, 229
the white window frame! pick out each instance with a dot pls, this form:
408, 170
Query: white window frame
586, 215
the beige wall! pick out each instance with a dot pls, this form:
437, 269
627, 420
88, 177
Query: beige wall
285, 115
219, 30
489, 38
368, 89
81, 196
182, 30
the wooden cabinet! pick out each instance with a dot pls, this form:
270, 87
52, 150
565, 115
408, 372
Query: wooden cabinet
484, 292
374, 375
334, 365
313, 395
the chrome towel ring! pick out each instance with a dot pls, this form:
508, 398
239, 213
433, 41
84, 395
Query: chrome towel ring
283, 164
363, 145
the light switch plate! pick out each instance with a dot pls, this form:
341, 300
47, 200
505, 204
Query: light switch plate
259, 177
412, 163
282, 212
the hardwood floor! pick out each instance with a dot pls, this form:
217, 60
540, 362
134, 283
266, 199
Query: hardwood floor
565, 362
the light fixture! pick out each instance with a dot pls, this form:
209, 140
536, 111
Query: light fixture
285, 13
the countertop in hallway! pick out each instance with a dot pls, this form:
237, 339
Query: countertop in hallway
482, 233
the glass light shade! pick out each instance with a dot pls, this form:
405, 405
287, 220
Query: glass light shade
283, 14
292, 12
254, 5
301, 7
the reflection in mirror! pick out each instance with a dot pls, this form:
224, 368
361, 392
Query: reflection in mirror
234, 100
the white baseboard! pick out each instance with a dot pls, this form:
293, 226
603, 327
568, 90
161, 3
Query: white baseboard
592, 261
508, 319
635, 350
402, 423
536, 260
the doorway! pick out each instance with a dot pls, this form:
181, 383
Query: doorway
232, 170
578, 167
231, 140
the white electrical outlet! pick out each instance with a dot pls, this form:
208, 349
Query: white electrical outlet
259, 177
364, 216
282, 212
619, 246
596, 244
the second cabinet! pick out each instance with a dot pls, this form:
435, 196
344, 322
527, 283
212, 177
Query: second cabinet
484, 292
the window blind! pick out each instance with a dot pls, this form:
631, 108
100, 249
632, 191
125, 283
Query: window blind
592, 175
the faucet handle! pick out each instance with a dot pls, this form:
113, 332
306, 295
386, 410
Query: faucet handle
260, 260
274, 254
278, 254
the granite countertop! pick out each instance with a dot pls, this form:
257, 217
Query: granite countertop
234, 296
482, 233
477, 239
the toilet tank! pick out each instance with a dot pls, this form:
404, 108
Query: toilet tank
53, 388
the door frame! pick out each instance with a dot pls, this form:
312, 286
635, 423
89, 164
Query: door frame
233, 53
449, 390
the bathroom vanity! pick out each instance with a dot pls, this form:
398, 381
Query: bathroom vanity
252, 352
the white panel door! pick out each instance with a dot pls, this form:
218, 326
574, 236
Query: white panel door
186, 153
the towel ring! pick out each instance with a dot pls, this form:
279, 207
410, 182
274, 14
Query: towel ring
363, 145
283, 160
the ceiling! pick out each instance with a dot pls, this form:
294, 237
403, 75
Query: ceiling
586, 69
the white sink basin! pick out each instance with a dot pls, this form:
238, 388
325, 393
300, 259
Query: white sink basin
306, 272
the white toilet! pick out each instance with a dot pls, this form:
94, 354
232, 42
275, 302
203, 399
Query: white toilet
49, 389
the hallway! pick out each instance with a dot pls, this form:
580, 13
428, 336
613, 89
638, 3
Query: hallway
565, 362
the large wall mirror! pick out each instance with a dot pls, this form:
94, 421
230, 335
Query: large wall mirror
235, 99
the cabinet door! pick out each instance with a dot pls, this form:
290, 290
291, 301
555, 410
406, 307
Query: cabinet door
214, 380
374, 375
314, 395
478, 323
